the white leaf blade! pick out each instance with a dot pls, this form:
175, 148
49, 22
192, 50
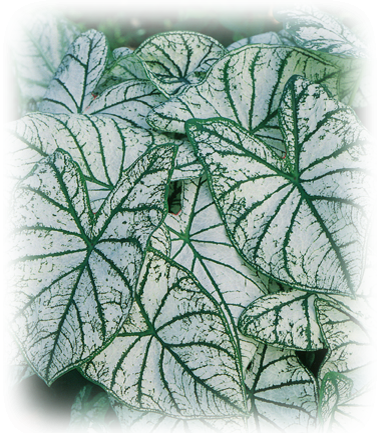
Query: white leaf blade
129, 101
125, 67
353, 70
282, 393
154, 367
312, 29
76, 78
135, 421
40, 44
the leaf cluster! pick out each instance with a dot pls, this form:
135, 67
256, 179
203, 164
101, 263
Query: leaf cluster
190, 223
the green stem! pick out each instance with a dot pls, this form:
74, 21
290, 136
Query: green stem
357, 84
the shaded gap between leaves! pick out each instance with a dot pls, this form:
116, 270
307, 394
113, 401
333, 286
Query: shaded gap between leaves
312, 360
175, 197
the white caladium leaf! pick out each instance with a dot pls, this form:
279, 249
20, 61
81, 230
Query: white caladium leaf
285, 319
174, 354
102, 147
312, 29
125, 67
199, 242
88, 413
288, 319
130, 101
13, 375
37, 49
340, 410
282, 393
11, 352
81, 68
302, 219
350, 349
133, 421
175, 60
242, 88
75, 274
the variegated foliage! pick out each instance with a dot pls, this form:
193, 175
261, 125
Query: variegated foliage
195, 277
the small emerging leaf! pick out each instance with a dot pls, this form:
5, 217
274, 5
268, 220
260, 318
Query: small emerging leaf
125, 67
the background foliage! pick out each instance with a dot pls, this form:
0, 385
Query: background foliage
129, 22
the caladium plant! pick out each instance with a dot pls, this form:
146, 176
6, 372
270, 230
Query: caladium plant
190, 225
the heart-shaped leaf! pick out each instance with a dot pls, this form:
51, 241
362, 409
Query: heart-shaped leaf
349, 345
339, 409
178, 59
88, 414
313, 29
242, 88
134, 421
174, 353
37, 50
300, 220
102, 147
75, 274
282, 393
284, 320
81, 68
